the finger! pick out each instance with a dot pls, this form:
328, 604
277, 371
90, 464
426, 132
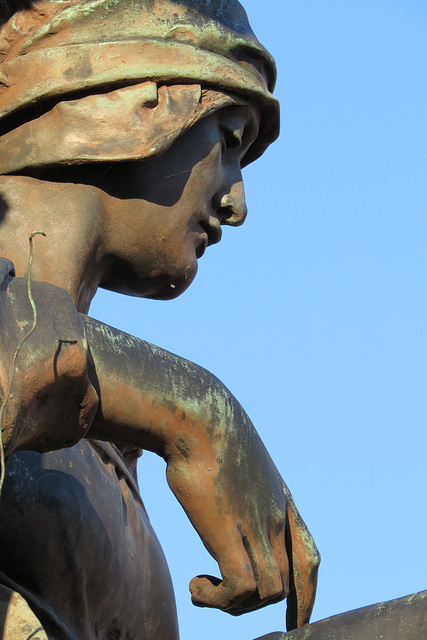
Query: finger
208, 591
270, 588
238, 580
271, 572
266, 568
251, 604
304, 565
279, 546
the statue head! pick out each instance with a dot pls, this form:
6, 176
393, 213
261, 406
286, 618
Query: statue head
112, 80
105, 83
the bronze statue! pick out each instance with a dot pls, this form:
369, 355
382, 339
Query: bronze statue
124, 128
124, 125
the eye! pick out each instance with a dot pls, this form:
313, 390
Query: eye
232, 139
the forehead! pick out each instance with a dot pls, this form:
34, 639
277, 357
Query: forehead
125, 43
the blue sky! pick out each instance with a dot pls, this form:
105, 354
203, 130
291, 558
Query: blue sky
314, 312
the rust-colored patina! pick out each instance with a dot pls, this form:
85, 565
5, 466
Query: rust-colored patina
124, 125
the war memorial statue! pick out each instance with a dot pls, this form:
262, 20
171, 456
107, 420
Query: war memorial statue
99, 101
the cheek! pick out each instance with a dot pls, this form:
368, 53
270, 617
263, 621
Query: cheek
169, 250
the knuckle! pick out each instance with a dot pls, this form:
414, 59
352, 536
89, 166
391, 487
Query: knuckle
244, 587
273, 590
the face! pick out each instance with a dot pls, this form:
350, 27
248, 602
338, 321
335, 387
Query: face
159, 216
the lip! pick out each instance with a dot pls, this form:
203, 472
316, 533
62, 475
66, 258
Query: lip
212, 228
201, 248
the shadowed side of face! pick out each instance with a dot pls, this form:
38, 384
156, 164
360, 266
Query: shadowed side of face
159, 216
89, 140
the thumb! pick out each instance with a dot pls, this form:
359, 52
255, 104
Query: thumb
304, 565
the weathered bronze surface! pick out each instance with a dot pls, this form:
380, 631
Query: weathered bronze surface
124, 125
404, 618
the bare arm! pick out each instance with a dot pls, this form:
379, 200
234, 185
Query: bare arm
217, 467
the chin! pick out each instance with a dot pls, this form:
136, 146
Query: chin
172, 287
162, 286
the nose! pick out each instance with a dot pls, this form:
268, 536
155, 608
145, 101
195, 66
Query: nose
233, 209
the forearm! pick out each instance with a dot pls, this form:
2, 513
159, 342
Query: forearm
218, 469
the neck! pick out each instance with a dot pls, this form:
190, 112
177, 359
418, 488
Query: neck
70, 255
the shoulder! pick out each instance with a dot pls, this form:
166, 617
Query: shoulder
49, 400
